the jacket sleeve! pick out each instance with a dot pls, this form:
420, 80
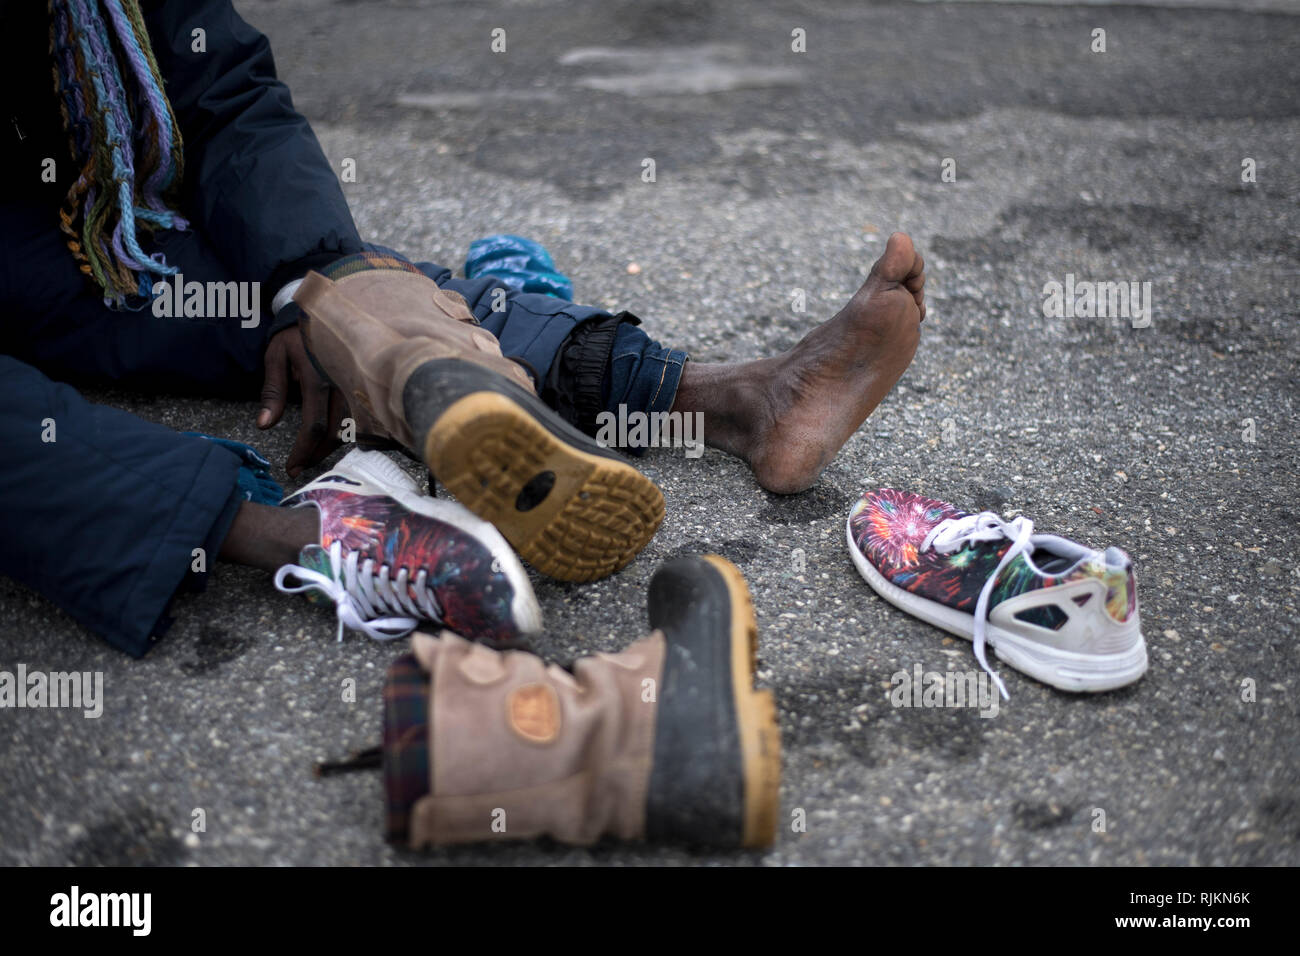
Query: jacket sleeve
256, 180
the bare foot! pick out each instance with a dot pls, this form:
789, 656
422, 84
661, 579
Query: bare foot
789, 416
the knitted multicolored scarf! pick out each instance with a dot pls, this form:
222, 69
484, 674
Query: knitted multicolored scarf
124, 140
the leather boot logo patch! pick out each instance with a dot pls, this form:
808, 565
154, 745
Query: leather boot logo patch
534, 713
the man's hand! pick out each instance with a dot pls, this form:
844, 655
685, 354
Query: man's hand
322, 406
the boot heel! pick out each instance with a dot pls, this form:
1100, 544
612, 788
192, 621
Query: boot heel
762, 749
717, 768
760, 735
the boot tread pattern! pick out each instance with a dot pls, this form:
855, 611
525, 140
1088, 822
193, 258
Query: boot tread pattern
596, 516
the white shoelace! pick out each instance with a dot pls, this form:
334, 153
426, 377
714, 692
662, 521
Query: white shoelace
361, 595
952, 533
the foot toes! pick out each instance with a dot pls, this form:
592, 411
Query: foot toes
895, 263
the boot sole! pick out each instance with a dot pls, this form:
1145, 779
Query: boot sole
573, 514
760, 734
710, 757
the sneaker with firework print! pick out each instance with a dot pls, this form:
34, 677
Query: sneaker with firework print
1058, 611
390, 558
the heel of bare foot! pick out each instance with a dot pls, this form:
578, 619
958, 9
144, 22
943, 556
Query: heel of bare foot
789, 416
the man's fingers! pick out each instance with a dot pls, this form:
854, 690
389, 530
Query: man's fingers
314, 432
330, 439
338, 409
275, 384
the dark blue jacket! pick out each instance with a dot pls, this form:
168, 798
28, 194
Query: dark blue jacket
104, 521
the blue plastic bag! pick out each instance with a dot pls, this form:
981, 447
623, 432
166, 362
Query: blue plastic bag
522, 264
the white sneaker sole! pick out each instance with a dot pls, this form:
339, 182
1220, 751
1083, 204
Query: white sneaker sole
383, 474
1065, 670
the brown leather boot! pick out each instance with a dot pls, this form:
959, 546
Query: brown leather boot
414, 366
665, 741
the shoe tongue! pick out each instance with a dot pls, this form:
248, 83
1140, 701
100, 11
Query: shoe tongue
1051, 553
382, 467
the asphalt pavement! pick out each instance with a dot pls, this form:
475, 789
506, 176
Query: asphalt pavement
777, 171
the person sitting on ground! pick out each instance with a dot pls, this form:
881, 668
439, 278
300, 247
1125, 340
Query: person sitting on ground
144, 161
